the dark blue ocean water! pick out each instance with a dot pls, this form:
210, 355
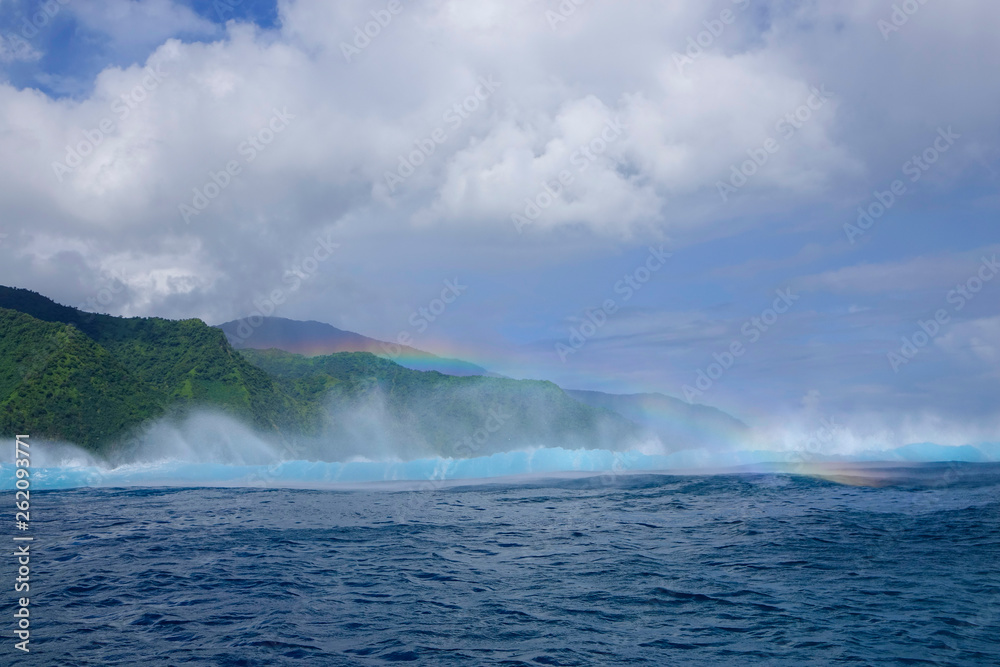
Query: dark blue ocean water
629, 570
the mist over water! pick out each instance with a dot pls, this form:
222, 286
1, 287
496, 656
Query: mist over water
373, 446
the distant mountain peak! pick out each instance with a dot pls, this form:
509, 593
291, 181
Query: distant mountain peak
311, 338
677, 423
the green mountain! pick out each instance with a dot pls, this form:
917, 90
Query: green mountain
56, 382
95, 380
90, 379
361, 398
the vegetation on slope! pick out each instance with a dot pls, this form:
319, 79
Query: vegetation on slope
94, 379
141, 368
443, 414
55, 382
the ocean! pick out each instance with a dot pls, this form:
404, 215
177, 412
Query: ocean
625, 569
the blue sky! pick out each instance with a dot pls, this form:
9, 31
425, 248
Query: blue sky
821, 107
76, 40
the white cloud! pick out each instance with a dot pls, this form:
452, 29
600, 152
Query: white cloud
352, 120
938, 273
14, 48
139, 24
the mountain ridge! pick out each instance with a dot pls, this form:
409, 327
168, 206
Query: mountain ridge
675, 422
313, 338
97, 380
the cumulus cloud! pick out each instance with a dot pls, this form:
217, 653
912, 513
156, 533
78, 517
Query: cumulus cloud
685, 126
139, 24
